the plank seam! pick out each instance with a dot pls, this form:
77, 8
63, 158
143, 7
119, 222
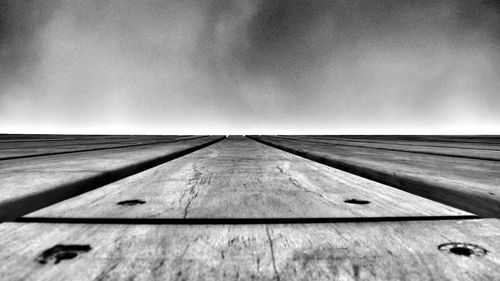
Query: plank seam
217, 221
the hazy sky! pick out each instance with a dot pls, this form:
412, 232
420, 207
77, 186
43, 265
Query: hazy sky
251, 67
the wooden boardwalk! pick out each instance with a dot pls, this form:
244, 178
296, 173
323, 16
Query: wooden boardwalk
259, 207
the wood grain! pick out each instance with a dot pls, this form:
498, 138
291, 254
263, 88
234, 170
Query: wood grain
30, 183
341, 251
468, 184
241, 178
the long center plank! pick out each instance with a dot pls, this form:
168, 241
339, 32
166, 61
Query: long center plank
241, 178
423, 250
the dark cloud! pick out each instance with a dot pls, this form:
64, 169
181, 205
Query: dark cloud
19, 23
250, 66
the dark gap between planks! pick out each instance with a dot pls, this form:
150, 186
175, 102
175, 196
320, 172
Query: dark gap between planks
216, 221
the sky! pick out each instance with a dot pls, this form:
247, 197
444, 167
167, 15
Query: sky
250, 67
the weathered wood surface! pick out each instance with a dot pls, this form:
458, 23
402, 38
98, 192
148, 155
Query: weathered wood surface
27, 184
341, 251
42, 147
468, 184
241, 178
473, 151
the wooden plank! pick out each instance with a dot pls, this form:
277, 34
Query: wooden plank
462, 152
28, 184
340, 251
417, 143
387, 251
35, 142
241, 178
482, 139
13, 138
42, 147
75, 141
468, 184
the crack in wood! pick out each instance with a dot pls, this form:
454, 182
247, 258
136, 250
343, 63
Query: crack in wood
296, 183
271, 247
194, 181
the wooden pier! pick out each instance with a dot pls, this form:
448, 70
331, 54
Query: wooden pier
99, 207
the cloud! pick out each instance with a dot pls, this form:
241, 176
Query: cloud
250, 66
